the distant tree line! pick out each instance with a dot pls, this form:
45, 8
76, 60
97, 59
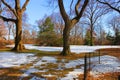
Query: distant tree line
51, 30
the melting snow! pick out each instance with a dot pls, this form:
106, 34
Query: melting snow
45, 60
49, 59
107, 64
74, 48
10, 59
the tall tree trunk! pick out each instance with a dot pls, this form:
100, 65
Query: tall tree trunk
66, 35
17, 11
18, 39
69, 23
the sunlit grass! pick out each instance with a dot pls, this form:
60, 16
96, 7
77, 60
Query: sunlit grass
5, 49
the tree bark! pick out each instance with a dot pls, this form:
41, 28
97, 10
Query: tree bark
91, 36
69, 23
66, 43
18, 39
17, 12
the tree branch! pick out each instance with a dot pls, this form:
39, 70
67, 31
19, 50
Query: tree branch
62, 10
17, 4
71, 7
83, 8
7, 19
14, 12
25, 4
109, 6
79, 14
76, 7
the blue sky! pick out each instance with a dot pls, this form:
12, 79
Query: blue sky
37, 9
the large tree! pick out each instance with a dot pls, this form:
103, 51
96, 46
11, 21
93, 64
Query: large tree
18, 11
70, 23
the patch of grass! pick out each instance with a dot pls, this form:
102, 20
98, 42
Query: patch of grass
110, 51
36, 52
105, 76
5, 50
10, 74
59, 73
40, 53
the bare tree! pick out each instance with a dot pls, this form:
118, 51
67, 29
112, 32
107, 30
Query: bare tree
101, 34
69, 23
77, 34
93, 13
115, 25
3, 30
18, 13
34, 35
26, 36
10, 26
58, 23
113, 4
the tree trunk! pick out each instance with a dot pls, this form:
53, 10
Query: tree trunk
18, 39
91, 36
66, 45
9, 34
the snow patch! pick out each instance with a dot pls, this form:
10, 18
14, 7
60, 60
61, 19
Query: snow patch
45, 60
107, 64
74, 48
11, 59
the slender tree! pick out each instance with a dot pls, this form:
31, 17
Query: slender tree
69, 23
58, 23
115, 25
3, 30
93, 13
18, 11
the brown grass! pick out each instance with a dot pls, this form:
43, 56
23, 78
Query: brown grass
105, 76
14, 73
111, 51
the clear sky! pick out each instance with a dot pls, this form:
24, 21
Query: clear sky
36, 9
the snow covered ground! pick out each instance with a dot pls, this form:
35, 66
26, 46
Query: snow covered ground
107, 64
11, 59
74, 48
